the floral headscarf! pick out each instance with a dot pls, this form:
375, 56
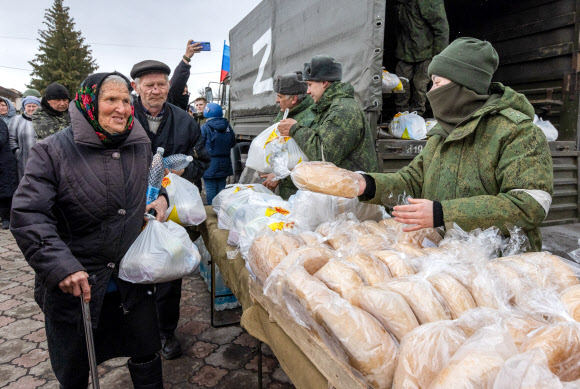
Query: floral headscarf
87, 99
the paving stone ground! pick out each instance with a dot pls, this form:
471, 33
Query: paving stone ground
214, 357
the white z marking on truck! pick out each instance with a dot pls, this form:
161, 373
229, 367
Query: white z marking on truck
264, 41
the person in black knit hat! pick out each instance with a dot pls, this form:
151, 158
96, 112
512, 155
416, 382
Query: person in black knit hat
52, 116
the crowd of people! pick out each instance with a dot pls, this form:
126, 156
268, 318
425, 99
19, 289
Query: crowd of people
77, 176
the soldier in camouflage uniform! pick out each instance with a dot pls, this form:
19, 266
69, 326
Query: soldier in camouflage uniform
422, 33
52, 116
340, 132
485, 164
291, 94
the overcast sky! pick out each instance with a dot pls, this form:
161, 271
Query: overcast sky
122, 33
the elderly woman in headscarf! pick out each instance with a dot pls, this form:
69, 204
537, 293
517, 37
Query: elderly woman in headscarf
7, 110
21, 132
76, 212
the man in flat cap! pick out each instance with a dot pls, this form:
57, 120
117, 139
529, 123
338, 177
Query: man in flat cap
172, 128
52, 116
291, 94
340, 132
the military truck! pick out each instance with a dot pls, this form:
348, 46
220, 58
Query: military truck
537, 42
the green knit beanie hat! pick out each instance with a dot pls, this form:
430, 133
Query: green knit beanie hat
468, 62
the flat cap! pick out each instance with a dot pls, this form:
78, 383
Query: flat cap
290, 84
322, 68
147, 67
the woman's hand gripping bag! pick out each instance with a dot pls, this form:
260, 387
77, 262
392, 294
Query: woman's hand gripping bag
185, 203
162, 252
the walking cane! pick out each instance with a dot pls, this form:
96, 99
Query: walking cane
89, 336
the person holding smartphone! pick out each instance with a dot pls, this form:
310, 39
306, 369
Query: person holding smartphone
178, 93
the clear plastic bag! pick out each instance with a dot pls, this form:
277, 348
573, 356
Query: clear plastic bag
341, 277
571, 300
408, 125
425, 237
283, 154
185, 204
325, 177
162, 252
391, 82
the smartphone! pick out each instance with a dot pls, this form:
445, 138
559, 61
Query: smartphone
205, 46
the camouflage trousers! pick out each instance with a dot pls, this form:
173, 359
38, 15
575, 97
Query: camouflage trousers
415, 95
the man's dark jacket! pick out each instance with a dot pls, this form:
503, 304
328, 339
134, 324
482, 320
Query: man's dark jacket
178, 133
79, 207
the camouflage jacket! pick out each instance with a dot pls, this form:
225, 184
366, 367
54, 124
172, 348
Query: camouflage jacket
46, 124
340, 132
422, 30
495, 169
303, 114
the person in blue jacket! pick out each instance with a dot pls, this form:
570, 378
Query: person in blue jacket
219, 139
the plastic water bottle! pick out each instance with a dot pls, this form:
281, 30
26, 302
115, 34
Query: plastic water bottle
156, 174
177, 161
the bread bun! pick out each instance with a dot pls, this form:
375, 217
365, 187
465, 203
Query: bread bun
571, 299
372, 271
309, 291
368, 346
398, 266
311, 238
389, 308
561, 344
476, 370
455, 295
409, 250
372, 242
340, 277
421, 297
264, 255
325, 177
288, 241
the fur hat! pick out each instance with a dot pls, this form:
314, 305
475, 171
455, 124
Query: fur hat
322, 68
290, 84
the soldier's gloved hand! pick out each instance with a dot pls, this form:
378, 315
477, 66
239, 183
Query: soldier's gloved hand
285, 125
419, 214
269, 183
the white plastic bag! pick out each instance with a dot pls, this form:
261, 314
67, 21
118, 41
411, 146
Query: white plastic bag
547, 128
185, 204
233, 189
408, 125
162, 252
231, 204
430, 123
261, 150
391, 82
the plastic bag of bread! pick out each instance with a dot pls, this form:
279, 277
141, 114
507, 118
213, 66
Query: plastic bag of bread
409, 250
389, 308
369, 348
341, 277
561, 344
424, 300
230, 205
232, 189
457, 298
310, 209
370, 269
424, 352
325, 177
342, 232
268, 250
486, 287
571, 299
396, 262
529, 370
478, 361
311, 238
425, 237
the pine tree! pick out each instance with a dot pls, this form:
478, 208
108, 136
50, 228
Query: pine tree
63, 57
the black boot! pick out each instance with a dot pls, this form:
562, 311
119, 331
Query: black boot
5, 224
171, 348
146, 375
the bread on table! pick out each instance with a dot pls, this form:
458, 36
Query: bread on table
368, 347
264, 255
288, 241
371, 270
389, 308
476, 370
409, 250
571, 299
421, 297
455, 295
398, 266
340, 277
414, 238
325, 177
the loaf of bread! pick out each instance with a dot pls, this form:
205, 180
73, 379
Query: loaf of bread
455, 295
372, 271
264, 255
311, 238
370, 349
424, 352
339, 240
571, 299
372, 242
476, 370
340, 277
414, 238
409, 250
421, 297
308, 290
389, 308
397, 265
325, 177
561, 344
288, 241
374, 228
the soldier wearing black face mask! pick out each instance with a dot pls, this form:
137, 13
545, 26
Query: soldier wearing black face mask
178, 93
